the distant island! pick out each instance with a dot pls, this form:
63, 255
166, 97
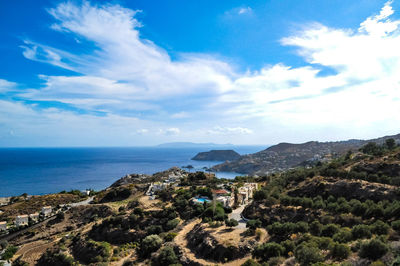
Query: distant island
191, 145
217, 155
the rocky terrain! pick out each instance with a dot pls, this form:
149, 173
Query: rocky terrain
217, 155
284, 156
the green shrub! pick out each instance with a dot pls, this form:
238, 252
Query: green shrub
253, 224
268, 250
316, 228
231, 222
396, 225
307, 253
9, 252
170, 236
171, 224
329, 230
167, 256
373, 249
380, 228
150, 244
340, 251
343, 236
361, 231
288, 245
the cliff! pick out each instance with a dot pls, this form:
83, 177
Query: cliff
217, 155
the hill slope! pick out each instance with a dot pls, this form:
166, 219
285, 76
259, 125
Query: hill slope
284, 156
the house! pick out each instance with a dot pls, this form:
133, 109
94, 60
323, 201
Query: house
22, 220
219, 192
3, 226
227, 201
46, 211
34, 216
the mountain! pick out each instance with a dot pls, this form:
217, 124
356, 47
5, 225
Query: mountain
284, 156
217, 155
191, 145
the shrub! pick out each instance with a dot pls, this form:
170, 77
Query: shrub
170, 236
253, 224
167, 256
380, 228
250, 262
373, 249
288, 245
340, 251
316, 228
171, 224
268, 250
150, 244
307, 253
329, 230
361, 231
396, 225
154, 230
55, 257
343, 236
9, 252
378, 263
231, 222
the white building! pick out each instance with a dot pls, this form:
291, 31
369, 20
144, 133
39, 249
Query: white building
3, 226
22, 220
34, 216
46, 211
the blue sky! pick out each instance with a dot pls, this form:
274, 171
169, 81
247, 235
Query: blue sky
128, 73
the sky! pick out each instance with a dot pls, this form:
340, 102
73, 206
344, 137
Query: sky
141, 72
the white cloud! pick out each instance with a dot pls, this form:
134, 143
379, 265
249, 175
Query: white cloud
217, 130
278, 102
245, 10
142, 131
6, 85
170, 131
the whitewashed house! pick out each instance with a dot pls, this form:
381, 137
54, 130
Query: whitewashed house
46, 211
22, 220
34, 216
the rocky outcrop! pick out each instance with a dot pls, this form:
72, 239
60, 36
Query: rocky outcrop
217, 155
204, 244
286, 155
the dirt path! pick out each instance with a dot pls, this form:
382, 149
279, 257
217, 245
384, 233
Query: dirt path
181, 241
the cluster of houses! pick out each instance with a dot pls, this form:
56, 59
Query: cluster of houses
171, 180
227, 198
23, 220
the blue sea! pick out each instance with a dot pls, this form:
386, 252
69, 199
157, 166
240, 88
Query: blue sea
39, 171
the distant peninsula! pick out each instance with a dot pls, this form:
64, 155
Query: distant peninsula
217, 155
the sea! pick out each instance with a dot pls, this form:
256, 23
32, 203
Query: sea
38, 171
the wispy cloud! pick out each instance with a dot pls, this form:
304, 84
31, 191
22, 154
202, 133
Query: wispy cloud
127, 77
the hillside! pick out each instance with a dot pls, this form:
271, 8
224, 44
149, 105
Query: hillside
284, 156
217, 155
342, 212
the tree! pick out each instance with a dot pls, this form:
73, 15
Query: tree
253, 224
373, 249
340, 251
150, 244
268, 250
167, 256
231, 222
307, 253
390, 143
